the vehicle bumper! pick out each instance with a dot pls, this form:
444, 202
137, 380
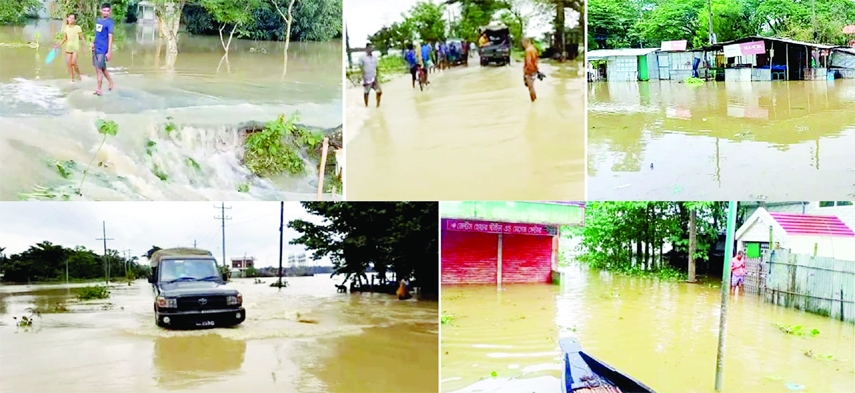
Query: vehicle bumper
206, 318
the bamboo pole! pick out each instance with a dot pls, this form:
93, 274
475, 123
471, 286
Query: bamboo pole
323, 167
725, 293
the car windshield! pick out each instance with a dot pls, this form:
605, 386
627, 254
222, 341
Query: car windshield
188, 270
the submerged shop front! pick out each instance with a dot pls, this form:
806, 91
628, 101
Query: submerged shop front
484, 252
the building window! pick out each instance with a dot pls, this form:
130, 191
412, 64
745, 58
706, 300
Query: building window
835, 203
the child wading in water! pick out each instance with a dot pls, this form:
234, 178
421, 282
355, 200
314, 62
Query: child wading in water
71, 45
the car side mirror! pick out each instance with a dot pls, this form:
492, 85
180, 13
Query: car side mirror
152, 279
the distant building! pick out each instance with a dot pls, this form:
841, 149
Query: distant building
239, 266
297, 260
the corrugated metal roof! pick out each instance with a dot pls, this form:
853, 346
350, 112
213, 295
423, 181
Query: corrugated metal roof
806, 224
604, 53
778, 39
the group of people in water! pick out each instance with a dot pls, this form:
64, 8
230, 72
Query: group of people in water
101, 46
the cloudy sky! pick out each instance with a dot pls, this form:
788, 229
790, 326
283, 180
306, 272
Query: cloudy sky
365, 17
253, 229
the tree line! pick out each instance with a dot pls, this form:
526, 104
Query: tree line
646, 23
46, 261
631, 236
388, 237
426, 21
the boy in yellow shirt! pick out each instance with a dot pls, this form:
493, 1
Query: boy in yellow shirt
71, 44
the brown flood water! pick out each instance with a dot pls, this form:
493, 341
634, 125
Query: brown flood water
51, 119
360, 343
664, 334
472, 134
754, 141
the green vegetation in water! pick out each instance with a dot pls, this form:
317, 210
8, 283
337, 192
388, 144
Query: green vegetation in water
170, 125
27, 320
796, 330
447, 319
809, 353
193, 164
13, 12
93, 292
494, 374
105, 127
159, 173
150, 147
692, 81
64, 168
243, 188
51, 308
276, 149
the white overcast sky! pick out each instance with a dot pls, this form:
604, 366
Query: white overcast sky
253, 229
365, 17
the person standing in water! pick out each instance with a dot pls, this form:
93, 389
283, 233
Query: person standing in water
737, 273
71, 45
530, 70
102, 47
368, 63
410, 58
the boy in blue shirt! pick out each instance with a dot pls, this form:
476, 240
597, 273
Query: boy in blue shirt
410, 57
102, 47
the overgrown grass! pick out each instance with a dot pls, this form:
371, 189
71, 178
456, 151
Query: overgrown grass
277, 148
665, 273
93, 292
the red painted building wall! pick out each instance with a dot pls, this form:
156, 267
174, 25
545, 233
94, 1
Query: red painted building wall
526, 259
471, 258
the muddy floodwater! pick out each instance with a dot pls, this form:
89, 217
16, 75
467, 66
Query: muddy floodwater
472, 133
664, 334
345, 343
45, 118
754, 141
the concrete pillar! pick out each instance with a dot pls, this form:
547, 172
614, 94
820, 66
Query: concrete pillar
499, 265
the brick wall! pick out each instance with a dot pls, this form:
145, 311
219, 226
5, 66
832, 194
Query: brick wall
469, 258
526, 259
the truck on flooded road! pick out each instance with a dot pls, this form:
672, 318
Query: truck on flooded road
189, 290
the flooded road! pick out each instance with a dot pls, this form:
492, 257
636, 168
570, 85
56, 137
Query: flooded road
664, 334
472, 134
355, 343
45, 118
754, 141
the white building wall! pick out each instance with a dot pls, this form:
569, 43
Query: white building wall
842, 248
622, 69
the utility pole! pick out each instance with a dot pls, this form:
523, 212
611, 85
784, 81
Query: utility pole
194, 243
347, 47
725, 293
106, 264
281, 232
223, 219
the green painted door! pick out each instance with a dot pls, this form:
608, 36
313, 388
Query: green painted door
643, 74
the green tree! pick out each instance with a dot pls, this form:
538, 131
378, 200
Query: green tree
399, 237
230, 13
16, 11
426, 19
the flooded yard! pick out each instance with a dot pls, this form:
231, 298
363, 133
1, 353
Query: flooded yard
471, 134
664, 334
304, 338
751, 141
45, 118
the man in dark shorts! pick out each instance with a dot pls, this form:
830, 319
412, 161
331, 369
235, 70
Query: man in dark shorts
370, 80
410, 57
102, 47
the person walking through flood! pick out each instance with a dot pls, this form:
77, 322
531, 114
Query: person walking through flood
737, 273
71, 44
427, 63
530, 70
410, 58
368, 63
102, 47
402, 292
